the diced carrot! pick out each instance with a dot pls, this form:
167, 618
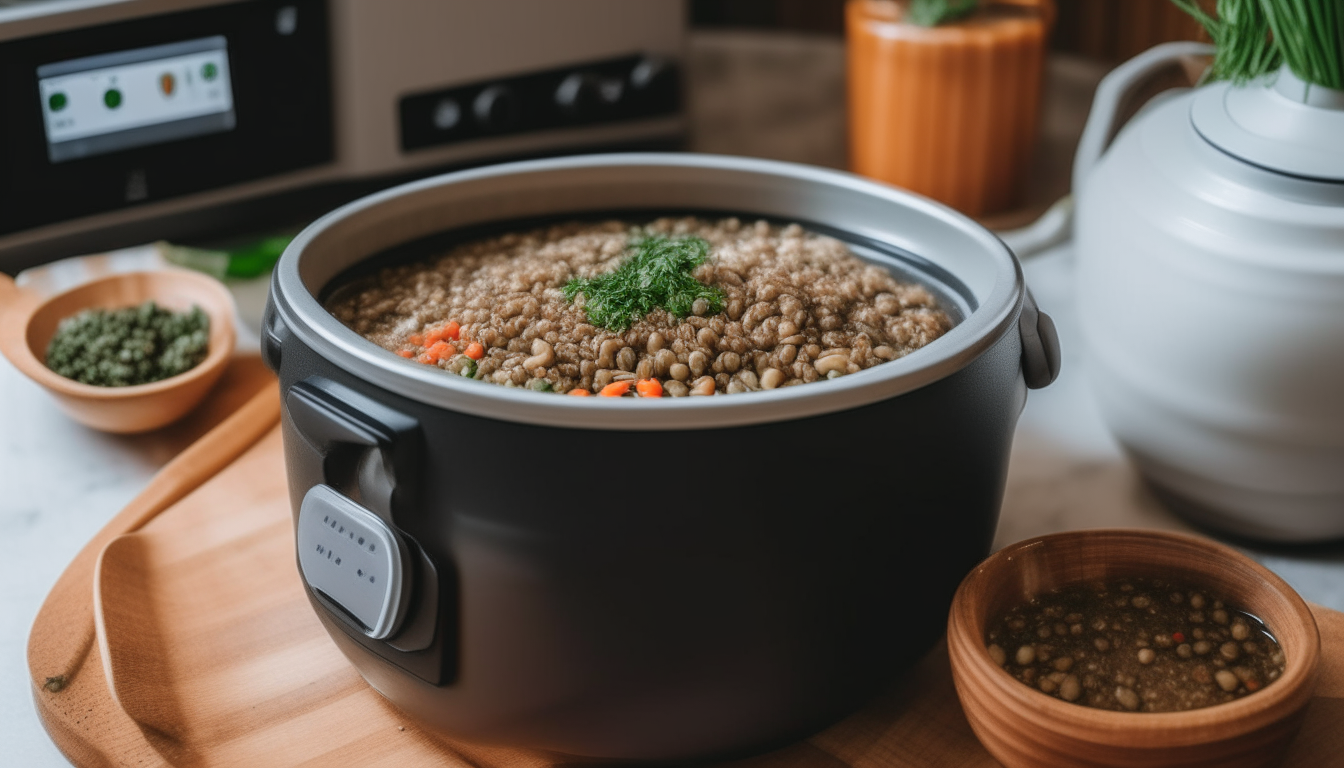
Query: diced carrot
649, 388
406, 353
416, 339
449, 331
442, 349
579, 392
428, 358
475, 351
615, 389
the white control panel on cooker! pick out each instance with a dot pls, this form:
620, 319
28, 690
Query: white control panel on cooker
350, 555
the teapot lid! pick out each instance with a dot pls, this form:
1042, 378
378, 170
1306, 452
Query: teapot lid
1278, 122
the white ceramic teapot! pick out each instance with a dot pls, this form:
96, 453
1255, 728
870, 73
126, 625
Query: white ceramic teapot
1210, 246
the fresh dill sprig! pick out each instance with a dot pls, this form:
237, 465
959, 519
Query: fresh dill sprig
931, 13
658, 273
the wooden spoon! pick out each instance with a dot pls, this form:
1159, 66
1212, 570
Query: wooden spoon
63, 633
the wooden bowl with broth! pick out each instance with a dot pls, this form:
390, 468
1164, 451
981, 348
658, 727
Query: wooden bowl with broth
28, 322
1025, 728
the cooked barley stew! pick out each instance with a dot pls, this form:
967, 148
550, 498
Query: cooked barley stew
677, 307
1136, 645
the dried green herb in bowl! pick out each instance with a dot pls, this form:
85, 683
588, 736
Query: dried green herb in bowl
129, 346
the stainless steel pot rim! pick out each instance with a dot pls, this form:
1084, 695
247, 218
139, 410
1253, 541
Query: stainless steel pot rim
296, 305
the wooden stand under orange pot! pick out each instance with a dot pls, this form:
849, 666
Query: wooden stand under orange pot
949, 111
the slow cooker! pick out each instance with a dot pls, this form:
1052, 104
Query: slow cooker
662, 580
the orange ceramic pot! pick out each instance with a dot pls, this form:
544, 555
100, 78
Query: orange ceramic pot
949, 111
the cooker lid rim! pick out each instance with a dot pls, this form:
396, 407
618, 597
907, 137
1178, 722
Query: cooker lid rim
982, 328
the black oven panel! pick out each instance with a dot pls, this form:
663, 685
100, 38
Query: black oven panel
106, 117
623, 89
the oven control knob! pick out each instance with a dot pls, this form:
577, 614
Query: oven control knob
654, 78
447, 114
584, 93
496, 108
577, 93
650, 72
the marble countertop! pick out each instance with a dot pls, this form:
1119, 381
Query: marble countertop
60, 482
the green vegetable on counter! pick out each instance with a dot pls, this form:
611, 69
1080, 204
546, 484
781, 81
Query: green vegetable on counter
658, 273
242, 261
125, 347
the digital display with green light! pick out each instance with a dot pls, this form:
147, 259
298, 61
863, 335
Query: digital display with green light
135, 98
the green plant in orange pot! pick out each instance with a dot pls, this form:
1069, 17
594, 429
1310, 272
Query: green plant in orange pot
944, 95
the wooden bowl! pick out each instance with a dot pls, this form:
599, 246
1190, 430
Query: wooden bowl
1024, 728
27, 323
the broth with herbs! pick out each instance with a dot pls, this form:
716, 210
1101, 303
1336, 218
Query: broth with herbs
1136, 645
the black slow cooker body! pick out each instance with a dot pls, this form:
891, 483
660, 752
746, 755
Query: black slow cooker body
662, 595
664, 580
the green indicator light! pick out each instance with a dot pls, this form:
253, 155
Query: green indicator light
209, 71
112, 98
57, 101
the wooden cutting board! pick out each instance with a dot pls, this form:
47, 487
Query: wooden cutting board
206, 652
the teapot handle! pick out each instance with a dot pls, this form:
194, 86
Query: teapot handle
1115, 93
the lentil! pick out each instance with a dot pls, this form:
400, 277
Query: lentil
787, 295
1131, 651
772, 378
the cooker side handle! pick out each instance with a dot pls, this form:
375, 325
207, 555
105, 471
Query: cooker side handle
273, 333
369, 454
1040, 344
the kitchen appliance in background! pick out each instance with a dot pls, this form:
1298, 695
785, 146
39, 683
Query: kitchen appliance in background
1211, 293
135, 120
